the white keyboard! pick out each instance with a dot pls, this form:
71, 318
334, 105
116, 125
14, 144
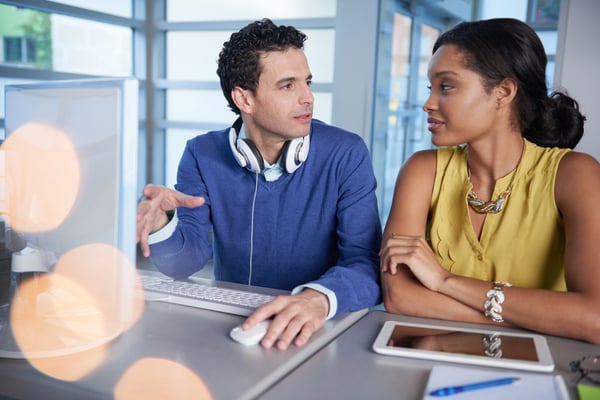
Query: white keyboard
194, 294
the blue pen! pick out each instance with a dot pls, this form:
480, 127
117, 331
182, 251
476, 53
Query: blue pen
450, 390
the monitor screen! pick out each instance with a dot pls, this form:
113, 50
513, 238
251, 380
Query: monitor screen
68, 198
100, 120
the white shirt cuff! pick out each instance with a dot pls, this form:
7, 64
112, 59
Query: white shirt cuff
165, 232
320, 288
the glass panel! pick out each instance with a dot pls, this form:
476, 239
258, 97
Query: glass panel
320, 52
550, 41
193, 55
88, 47
505, 9
550, 69
421, 137
211, 10
198, 106
12, 50
322, 107
29, 47
406, 130
210, 106
115, 7
398, 105
67, 44
175, 144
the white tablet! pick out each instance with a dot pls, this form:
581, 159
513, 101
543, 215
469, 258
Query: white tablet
524, 351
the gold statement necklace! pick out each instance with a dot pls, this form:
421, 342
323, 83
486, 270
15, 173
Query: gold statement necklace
492, 206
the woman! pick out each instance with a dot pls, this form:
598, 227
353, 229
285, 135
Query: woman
501, 223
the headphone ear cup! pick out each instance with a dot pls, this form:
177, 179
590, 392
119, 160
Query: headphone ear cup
295, 152
303, 150
245, 152
239, 157
254, 160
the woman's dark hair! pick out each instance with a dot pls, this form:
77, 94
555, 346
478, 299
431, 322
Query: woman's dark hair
502, 48
239, 64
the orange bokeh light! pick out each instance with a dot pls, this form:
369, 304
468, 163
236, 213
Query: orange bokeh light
58, 327
157, 379
63, 321
42, 177
109, 277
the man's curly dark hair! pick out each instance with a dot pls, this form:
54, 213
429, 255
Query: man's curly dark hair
239, 64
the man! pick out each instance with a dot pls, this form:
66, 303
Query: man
290, 200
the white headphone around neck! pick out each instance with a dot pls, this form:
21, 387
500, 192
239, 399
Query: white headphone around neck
293, 154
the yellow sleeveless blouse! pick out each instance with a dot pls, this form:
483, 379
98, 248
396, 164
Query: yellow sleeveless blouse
524, 244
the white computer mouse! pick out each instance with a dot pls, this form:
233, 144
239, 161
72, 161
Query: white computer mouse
250, 336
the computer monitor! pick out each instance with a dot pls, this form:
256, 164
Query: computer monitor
99, 118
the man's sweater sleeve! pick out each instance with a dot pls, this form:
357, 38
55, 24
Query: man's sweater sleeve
355, 277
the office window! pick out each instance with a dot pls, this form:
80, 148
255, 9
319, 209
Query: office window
89, 47
19, 50
192, 55
208, 106
174, 149
115, 7
541, 15
210, 10
194, 35
403, 86
320, 51
64, 43
25, 37
73, 39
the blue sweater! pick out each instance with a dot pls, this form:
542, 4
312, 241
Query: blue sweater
317, 225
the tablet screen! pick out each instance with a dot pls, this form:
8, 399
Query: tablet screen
492, 345
440, 341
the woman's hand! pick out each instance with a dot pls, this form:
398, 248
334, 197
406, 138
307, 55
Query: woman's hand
414, 253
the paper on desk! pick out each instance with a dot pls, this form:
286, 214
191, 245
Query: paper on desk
530, 386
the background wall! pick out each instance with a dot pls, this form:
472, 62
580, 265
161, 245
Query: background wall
578, 62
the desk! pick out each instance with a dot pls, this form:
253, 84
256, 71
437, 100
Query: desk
338, 361
349, 369
196, 338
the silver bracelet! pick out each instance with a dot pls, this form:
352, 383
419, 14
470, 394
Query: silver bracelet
492, 308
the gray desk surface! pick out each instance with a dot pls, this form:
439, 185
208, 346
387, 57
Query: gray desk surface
196, 338
349, 369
